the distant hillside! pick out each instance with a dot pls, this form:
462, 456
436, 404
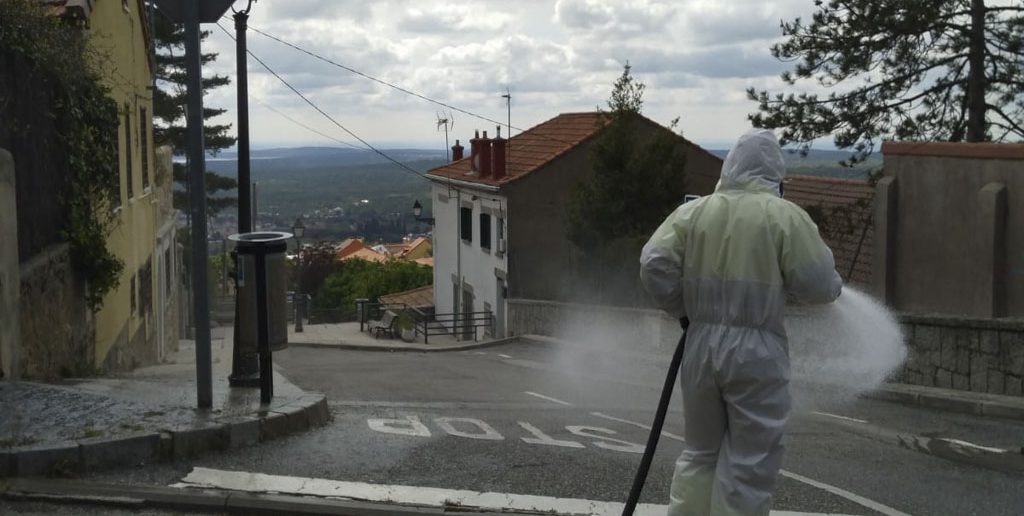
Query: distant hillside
823, 163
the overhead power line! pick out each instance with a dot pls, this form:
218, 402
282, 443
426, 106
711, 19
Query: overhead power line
308, 128
379, 81
326, 115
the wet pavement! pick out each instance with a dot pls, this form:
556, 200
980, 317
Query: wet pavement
154, 408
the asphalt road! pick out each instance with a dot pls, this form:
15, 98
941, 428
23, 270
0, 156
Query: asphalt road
539, 419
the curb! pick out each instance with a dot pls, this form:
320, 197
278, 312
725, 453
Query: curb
403, 347
989, 405
208, 500
94, 454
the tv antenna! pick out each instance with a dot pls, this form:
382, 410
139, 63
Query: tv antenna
448, 121
508, 106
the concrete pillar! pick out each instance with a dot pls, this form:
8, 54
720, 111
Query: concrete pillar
884, 260
10, 275
991, 250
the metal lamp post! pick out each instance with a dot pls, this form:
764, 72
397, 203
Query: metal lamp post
417, 210
298, 229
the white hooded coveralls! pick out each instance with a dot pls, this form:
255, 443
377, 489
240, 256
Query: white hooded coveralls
727, 262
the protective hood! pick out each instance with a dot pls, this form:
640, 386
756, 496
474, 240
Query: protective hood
754, 164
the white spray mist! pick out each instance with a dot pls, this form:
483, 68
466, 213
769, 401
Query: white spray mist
842, 349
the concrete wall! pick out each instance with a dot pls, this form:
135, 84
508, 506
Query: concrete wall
982, 355
10, 275
947, 225
541, 259
651, 331
57, 327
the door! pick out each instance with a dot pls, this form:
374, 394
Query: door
468, 331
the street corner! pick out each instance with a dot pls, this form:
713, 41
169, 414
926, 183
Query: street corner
98, 453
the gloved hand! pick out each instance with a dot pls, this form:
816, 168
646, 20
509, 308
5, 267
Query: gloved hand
684, 322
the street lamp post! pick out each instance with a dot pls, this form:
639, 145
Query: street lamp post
417, 210
298, 229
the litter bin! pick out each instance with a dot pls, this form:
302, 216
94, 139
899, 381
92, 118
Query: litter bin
273, 245
262, 299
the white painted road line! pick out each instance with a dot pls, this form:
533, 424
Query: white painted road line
502, 355
549, 398
837, 416
640, 425
972, 445
853, 497
205, 478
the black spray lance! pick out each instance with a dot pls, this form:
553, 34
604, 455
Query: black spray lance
659, 421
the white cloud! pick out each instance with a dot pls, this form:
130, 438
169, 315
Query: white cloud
697, 58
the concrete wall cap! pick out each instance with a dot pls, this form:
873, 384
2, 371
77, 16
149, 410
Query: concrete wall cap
1007, 151
1010, 324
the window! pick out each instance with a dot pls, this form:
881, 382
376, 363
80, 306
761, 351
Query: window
485, 230
127, 150
144, 146
467, 224
134, 300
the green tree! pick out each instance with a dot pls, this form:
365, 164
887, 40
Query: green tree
169, 100
947, 70
638, 174
365, 279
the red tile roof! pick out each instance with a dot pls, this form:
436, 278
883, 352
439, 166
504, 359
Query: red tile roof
536, 147
417, 297
846, 207
531, 149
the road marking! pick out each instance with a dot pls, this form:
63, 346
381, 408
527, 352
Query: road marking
640, 425
607, 443
489, 433
853, 497
502, 355
409, 425
838, 491
205, 478
837, 416
972, 445
545, 439
549, 398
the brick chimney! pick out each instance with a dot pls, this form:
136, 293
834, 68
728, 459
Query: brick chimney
485, 156
457, 151
474, 153
498, 155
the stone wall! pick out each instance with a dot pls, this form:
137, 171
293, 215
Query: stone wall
10, 275
981, 355
57, 327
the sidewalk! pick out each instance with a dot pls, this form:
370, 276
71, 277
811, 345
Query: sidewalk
347, 336
145, 416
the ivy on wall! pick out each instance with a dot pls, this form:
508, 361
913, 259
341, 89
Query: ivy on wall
86, 122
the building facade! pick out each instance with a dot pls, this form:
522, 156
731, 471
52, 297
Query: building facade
500, 213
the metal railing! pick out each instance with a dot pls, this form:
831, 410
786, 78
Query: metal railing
460, 324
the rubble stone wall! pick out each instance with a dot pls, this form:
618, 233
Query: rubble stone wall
58, 331
970, 354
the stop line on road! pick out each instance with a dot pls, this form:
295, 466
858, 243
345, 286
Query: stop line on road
472, 428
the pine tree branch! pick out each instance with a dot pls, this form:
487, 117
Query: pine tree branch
997, 110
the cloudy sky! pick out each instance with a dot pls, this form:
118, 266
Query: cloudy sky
696, 57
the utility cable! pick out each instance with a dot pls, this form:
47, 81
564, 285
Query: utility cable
308, 128
399, 88
327, 116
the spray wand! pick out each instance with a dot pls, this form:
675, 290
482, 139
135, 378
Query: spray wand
659, 422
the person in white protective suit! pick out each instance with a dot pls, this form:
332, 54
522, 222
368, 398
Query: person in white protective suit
727, 262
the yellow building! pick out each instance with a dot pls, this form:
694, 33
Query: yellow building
137, 323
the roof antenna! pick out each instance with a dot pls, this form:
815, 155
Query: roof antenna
448, 122
508, 105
